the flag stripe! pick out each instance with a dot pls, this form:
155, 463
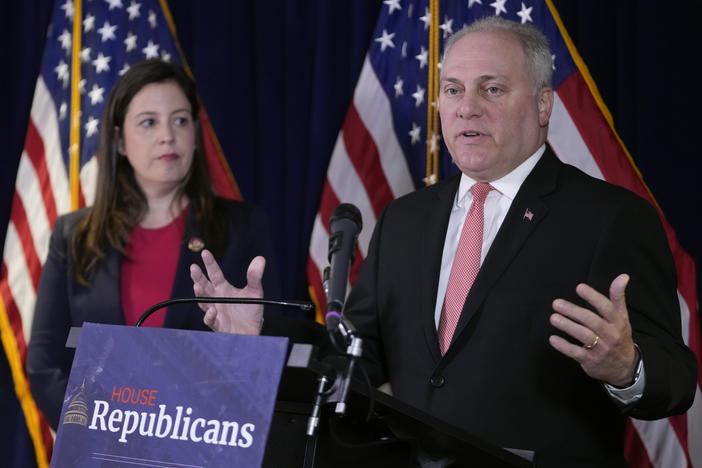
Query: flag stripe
663, 447
347, 188
601, 141
319, 247
222, 178
694, 429
375, 111
21, 225
566, 141
688, 299
19, 282
13, 316
88, 181
318, 250
319, 243
634, 448
36, 219
34, 149
329, 202
364, 156
44, 118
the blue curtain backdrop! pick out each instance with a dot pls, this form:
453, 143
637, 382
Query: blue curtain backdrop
277, 76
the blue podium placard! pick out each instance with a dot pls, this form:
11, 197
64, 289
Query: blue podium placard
168, 398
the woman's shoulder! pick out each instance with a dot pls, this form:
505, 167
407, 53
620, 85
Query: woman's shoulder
66, 223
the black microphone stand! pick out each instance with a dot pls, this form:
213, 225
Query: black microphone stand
340, 327
338, 374
343, 337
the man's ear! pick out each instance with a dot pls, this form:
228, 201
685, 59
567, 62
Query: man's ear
544, 101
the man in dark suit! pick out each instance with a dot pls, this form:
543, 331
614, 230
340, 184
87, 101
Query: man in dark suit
546, 352
562, 322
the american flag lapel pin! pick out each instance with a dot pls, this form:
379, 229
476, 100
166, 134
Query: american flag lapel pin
528, 214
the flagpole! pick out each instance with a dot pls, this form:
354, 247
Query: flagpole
74, 137
435, 94
432, 84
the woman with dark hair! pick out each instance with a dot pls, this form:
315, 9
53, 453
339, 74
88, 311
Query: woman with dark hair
153, 214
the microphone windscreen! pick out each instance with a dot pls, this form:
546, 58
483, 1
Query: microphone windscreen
347, 211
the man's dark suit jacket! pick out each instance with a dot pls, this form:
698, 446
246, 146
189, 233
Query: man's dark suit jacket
500, 379
62, 303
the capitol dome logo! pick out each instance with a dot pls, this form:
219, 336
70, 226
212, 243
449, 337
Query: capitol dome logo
77, 411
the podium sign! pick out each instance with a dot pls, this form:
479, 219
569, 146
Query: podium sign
168, 398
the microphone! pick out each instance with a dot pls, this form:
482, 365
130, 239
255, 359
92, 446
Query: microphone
223, 300
345, 224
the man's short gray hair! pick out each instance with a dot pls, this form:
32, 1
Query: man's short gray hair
533, 41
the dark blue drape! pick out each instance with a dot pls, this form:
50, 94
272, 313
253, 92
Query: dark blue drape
277, 76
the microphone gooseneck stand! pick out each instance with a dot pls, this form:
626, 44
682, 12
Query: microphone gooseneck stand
223, 300
339, 330
344, 225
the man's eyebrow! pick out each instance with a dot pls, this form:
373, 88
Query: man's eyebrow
484, 78
450, 80
481, 78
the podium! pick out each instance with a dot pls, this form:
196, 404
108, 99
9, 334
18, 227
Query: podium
376, 431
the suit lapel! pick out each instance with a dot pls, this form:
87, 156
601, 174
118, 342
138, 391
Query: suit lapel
436, 216
526, 212
104, 303
182, 284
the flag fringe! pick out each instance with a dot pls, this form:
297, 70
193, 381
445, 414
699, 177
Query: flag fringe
24, 396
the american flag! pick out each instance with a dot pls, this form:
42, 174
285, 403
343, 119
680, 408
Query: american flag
109, 35
389, 145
